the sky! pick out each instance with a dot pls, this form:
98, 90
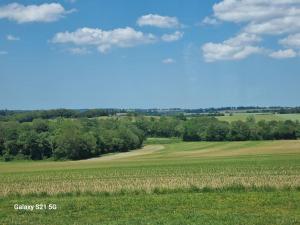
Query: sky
149, 53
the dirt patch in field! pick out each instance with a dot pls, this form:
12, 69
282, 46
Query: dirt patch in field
149, 149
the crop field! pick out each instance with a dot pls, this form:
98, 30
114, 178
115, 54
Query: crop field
166, 182
259, 116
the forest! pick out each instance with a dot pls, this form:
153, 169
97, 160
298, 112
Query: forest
82, 138
67, 139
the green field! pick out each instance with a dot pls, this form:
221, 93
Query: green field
259, 116
167, 182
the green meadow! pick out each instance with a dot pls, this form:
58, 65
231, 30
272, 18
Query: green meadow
259, 116
216, 207
166, 182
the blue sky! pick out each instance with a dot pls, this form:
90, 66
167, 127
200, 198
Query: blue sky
149, 54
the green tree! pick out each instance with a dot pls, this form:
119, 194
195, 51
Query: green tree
2, 139
240, 131
40, 125
217, 131
286, 130
73, 144
30, 144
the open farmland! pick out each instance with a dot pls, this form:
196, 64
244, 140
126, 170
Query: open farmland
185, 177
178, 165
259, 117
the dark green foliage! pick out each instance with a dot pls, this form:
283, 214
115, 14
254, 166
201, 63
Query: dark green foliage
205, 129
7, 157
67, 139
40, 125
217, 131
211, 129
298, 130
29, 116
240, 131
28, 143
2, 140
162, 127
11, 147
286, 130
73, 144
118, 136
289, 110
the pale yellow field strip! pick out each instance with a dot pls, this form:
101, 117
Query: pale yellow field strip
288, 147
149, 149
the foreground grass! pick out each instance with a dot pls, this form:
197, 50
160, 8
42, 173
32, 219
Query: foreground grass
227, 207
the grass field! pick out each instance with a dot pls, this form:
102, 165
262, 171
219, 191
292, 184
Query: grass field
167, 182
259, 116
170, 208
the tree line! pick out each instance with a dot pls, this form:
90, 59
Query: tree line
85, 138
212, 129
67, 139
29, 116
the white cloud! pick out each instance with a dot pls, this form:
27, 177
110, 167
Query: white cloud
105, 40
210, 21
3, 52
291, 41
235, 48
214, 52
10, 37
259, 17
243, 39
168, 61
33, 13
281, 25
104, 48
79, 51
283, 54
263, 16
158, 21
172, 37
255, 10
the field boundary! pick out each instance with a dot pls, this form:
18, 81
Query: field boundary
148, 149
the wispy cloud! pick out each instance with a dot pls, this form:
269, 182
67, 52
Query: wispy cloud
33, 13
283, 54
292, 41
79, 51
177, 35
168, 61
10, 37
210, 21
158, 21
